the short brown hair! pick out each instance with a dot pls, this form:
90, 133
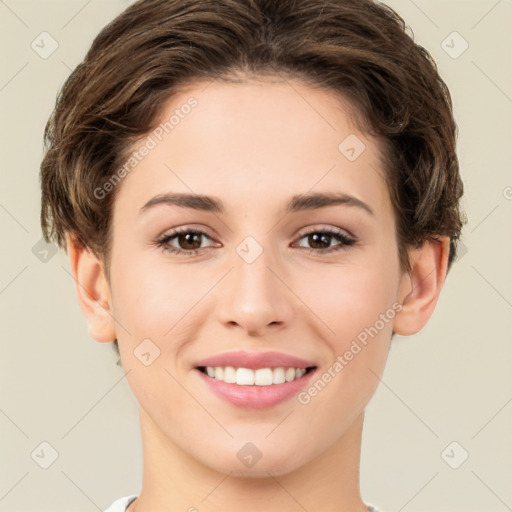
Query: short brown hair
360, 50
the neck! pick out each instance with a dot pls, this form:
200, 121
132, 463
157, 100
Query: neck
175, 481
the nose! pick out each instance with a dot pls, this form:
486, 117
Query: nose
255, 296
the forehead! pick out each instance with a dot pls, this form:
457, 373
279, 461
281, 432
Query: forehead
255, 142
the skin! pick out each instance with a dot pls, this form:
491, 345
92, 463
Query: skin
268, 140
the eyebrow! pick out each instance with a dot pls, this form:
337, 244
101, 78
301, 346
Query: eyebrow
308, 201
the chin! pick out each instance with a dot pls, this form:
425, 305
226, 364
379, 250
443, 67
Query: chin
263, 463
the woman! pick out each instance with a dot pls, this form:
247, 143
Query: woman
255, 197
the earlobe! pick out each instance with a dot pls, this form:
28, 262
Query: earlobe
93, 290
419, 290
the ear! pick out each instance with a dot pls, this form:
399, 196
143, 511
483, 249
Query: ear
92, 289
420, 288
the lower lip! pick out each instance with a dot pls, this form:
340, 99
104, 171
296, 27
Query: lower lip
256, 397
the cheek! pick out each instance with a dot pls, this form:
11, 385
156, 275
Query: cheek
154, 304
358, 306
350, 299
153, 299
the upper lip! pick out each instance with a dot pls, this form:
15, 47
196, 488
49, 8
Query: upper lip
255, 360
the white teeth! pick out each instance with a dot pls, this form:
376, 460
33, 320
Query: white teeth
263, 377
290, 374
278, 376
229, 375
259, 377
244, 377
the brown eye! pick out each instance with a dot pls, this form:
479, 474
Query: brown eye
183, 241
320, 240
189, 241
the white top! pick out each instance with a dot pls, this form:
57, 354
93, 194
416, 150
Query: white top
121, 504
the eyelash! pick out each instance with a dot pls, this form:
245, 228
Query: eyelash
163, 242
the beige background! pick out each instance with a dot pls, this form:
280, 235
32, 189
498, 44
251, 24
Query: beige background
451, 382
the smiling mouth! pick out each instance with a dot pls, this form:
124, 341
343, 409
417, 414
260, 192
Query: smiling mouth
257, 377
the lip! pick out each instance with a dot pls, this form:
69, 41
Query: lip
255, 360
255, 397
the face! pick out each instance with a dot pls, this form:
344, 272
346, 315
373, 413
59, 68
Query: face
256, 268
